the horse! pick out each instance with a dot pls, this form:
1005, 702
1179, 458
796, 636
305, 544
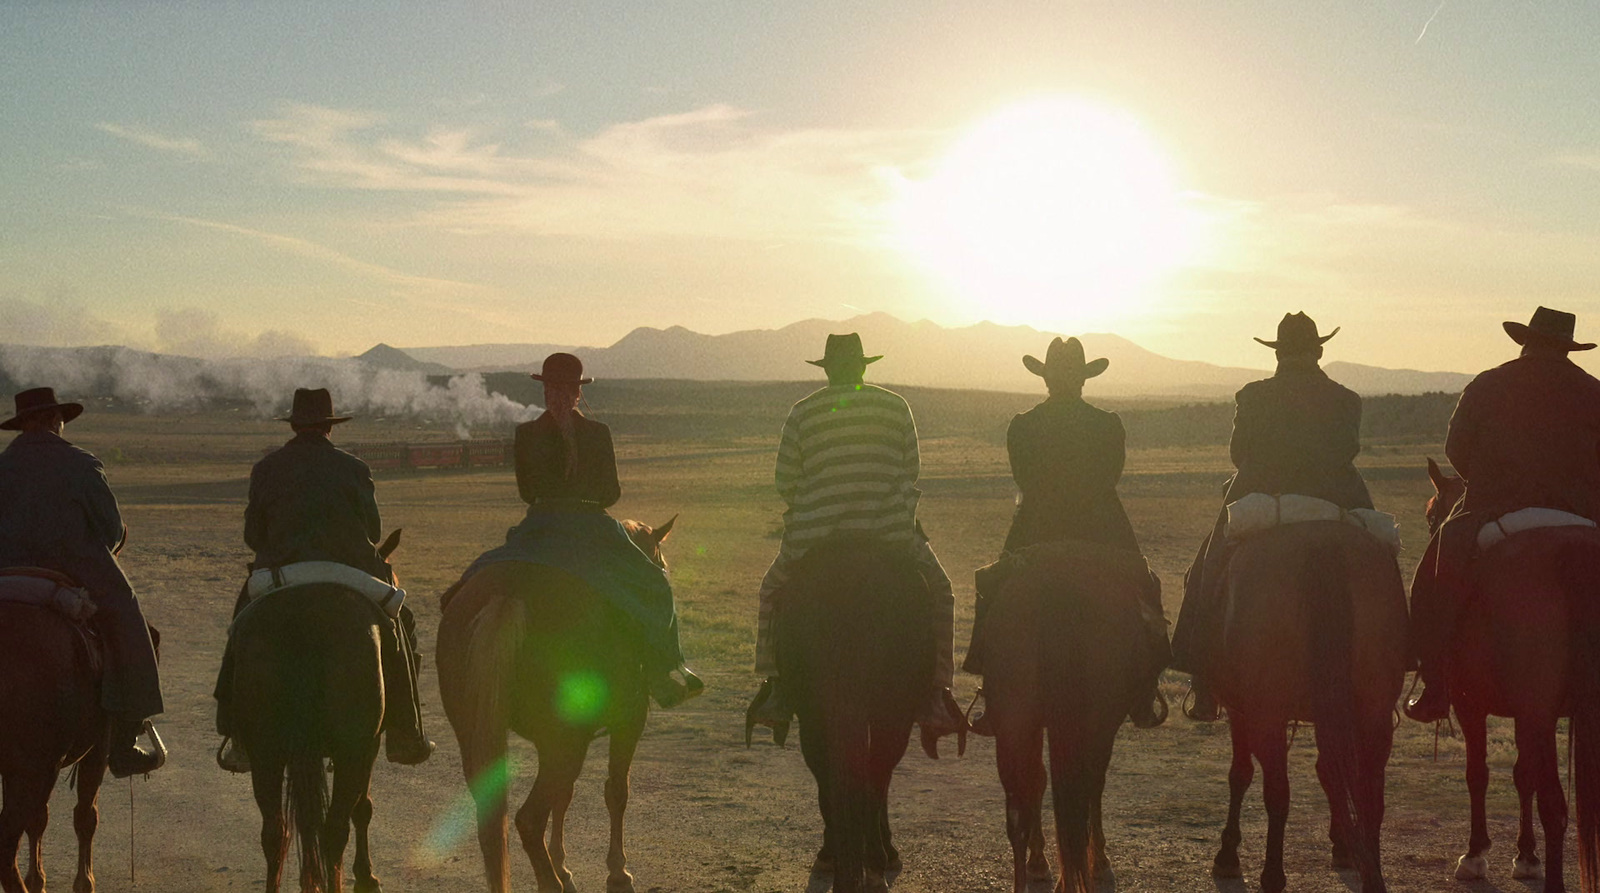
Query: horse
1315, 632
856, 655
50, 697
308, 686
1067, 654
534, 650
1526, 650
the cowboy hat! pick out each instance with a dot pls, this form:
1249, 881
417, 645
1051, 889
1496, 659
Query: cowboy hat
843, 349
36, 400
1296, 331
1064, 360
561, 368
313, 406
1548, 326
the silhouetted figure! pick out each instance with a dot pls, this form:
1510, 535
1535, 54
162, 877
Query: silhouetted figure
311, 501
1297, 432
57, 513
1066, 458
1525, 434
847, 467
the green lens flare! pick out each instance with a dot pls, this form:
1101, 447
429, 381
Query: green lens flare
581, 697
459, 818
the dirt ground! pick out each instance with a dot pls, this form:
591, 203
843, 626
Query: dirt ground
707, 814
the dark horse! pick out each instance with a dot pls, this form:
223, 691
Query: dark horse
535, 650
1524, 648
1315, 632
856, 653
50, 698
1066, 653
308, 686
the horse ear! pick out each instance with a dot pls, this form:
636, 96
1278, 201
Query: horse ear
661, 533
390, 544
1435, 475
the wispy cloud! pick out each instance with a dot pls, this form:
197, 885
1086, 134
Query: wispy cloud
134, 133
1424, 32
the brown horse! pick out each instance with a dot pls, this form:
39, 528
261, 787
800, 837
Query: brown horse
535, 650
1315, 632
1067, 656
308, 686
1523, 649
50, 698
856, 655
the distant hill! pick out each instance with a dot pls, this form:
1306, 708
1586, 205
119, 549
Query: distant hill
984, 356
382, 356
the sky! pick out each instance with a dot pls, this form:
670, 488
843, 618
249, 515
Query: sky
239, 178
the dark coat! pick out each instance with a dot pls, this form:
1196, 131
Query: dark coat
1066, 457
57, 511
542, 472
311, 501
1298, 432
1527, 433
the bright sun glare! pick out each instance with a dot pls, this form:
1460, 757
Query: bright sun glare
1052, 212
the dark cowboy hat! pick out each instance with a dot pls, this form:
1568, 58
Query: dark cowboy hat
37, 400
1064, 359
1296, 331
1548, 326
313, 406
843, 349
561, 368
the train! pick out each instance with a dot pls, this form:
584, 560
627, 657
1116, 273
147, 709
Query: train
403, 457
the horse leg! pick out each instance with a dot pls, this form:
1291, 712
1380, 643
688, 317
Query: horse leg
86, 815
1240, 774
1097, 831
352, 781
483, 763
34, 882
558, 836
814, 749
851, 799
887, 747
1474, 732
267, 784
1375, 746
26, 794
1339, 835
1019, 756
1272, 749
560, 761
366, 881
624, 741
1538, 737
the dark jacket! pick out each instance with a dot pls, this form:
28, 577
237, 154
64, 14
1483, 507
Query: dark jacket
311, 501
542, 466
1066, 457
57, 511
1527, 433
1298, 432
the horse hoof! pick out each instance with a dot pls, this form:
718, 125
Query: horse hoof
1039, 871
1472, 868
1527, 869
368, 886
621, 884
1275, 883
1226, 868
823, 864
894, 865
874, 882
1341, 861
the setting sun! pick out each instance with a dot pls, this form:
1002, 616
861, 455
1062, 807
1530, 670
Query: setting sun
1054, 211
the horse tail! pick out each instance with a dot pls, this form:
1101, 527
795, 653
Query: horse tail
1072, 792
493, 639
1331, 613
305, 805
1581, 568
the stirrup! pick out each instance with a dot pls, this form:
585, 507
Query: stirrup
761, 712
983, 725
232, 757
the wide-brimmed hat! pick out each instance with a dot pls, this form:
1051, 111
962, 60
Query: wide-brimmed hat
35, 400
561, 368
1065, 360
843, 349
1549, 326
1297, 331
313, 406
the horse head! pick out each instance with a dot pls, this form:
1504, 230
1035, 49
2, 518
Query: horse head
649, 539
1447, 491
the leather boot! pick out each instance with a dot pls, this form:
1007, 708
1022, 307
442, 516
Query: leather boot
768, 708
1433, 704
668, 692
403, 739
127, 757
978, 718
1151, 708
1205, 707
232, 757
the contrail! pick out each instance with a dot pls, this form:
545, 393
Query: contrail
1425, 25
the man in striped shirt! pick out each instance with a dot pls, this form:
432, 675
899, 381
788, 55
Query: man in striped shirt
848, 464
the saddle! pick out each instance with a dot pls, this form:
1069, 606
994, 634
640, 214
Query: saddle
267, 580
1257, 512
55, 591
1526, 519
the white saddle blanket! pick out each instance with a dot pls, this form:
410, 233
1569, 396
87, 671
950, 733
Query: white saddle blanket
1256, 512
75, 604
1527, 519
305, 573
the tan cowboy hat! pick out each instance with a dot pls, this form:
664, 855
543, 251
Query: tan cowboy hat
1297, 331
36, 400
561, 368
313, 406
1064, 359
1548, 326
842, 349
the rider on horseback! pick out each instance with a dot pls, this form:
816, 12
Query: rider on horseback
310, 501
57, 513
1297, 432
848, 465
1525, 434
1066, 457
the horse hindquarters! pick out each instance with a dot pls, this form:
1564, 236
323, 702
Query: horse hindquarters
1583, 578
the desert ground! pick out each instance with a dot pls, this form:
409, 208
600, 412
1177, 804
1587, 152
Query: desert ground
707, 814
